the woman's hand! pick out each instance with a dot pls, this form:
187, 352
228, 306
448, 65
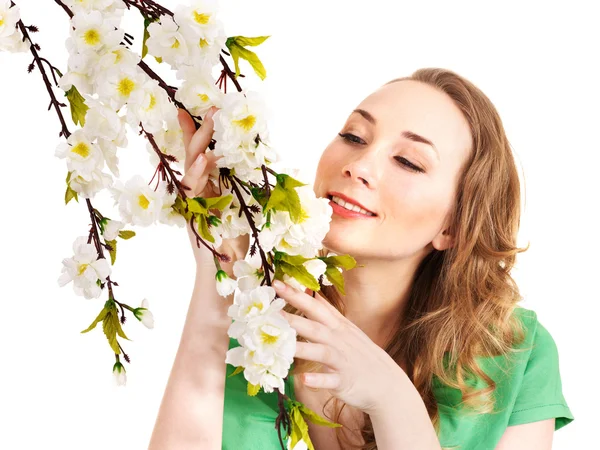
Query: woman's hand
360, 373
198, 165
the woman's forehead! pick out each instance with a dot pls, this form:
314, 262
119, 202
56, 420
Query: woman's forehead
419, 108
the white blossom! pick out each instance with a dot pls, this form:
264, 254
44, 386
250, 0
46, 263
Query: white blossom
120, 85
169, 141
149, 107
315, 267
168, 215
167, 42
112, 228
112, 10
93, 32
249, 271
268, 346
202, 30
304, 238
198, 91
249, 304
81, 154
144, 315
139, 203
88, 188
84, 269
225, 284
119, 374
9, 16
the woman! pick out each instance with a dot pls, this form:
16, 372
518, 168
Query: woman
428, 349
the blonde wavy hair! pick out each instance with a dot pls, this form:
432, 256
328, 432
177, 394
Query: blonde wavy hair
462, 299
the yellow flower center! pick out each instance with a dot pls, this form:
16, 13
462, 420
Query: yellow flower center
268, 339
118, 55
246, 123
1, 21
152, 102
81, 149
203, 97
125, 87
303, 215
201, 18
82, 268
143, 201
203, 43
175, 44
256, 304
91, 37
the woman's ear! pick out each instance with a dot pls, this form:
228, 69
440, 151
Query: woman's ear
443, 241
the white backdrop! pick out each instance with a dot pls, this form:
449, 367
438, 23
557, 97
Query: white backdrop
537, 62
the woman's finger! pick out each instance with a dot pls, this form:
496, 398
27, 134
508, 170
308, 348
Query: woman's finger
193, 175
312, 308
196, 141
202, 137
187, 125
321, 353
309, 329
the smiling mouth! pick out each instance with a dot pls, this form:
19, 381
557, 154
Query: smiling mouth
348, 209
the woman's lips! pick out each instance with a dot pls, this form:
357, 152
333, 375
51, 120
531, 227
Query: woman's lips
341, 211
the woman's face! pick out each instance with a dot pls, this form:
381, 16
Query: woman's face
408, 184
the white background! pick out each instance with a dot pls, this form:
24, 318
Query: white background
537, 62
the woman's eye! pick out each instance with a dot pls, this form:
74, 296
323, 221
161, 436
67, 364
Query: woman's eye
351, 138
407, 163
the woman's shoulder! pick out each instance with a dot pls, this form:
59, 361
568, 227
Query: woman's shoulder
539, 394
538, 339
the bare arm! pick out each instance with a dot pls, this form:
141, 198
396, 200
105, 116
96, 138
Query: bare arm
191, 412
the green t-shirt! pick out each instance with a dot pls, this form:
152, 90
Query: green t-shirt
529, 391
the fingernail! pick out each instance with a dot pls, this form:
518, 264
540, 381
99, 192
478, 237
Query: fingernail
199, 159
280, 286
210, 113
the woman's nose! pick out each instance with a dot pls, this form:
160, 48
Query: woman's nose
361, 169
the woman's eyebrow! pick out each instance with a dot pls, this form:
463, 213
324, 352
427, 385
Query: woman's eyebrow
407, 134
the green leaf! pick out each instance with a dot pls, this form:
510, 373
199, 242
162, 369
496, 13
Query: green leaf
301, 274
296, 260
120, 331
126, 234
260, 195
113, 252
245, 41
219, 203
102, 223
315, 418
78, 106
284, 197
237, 370
236, 48
69, 177
145, 38
109, 326
197, 205
345, 261
180, 207
70, 194
158, 59
203, 228
100, 317
335, 277
299, 430
253, 389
